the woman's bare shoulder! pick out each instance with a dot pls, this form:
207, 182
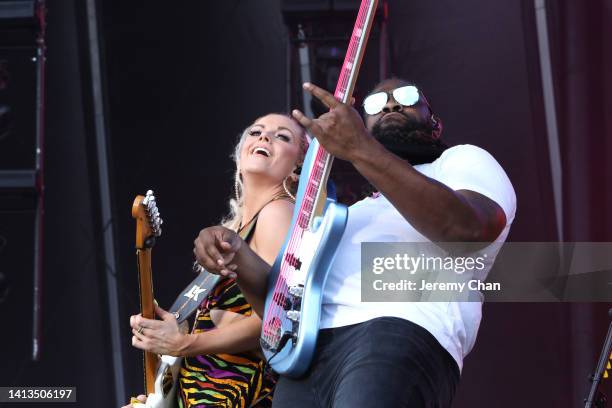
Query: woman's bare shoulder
272, 226
276, 208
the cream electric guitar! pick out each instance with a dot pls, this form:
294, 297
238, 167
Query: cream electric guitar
160, 372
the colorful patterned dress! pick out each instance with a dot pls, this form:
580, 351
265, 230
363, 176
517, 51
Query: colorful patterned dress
225, 380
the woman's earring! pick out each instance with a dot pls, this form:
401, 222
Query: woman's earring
237, 184
287, 189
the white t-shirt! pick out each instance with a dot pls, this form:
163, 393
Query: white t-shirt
453, 324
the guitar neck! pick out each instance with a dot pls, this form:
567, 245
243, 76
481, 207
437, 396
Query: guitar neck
145, 280
148, 228
147, 309
315, 193
355, 51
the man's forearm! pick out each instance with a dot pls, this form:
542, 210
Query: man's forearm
252, 277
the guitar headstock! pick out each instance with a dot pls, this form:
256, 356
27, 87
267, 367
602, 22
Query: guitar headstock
148, 220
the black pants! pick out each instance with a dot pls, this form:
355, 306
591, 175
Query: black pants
384, 362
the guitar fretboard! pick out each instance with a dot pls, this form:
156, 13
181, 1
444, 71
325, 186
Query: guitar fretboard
344, 90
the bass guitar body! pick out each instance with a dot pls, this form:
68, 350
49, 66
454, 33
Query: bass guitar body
294, 307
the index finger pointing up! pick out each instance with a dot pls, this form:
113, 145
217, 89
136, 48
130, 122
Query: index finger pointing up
321, 94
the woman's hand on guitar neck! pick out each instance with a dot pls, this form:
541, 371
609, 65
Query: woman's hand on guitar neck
158, 336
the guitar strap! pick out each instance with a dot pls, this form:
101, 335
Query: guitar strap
188, 300
245, 231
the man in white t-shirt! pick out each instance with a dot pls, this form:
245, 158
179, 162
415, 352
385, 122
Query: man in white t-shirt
381, 353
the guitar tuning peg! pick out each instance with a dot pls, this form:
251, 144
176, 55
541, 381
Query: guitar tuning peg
149, 193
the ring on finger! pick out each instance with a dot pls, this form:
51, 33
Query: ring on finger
140, 329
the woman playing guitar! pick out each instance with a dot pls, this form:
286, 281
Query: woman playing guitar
219, 367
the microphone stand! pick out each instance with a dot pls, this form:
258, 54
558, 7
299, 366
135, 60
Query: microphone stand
596, 399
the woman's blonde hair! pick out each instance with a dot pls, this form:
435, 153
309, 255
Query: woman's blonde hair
234, 219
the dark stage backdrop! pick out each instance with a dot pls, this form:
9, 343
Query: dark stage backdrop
184, 78
75, 333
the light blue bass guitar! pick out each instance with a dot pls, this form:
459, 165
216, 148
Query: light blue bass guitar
296, 282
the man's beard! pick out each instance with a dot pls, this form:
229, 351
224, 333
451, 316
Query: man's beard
410, 140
